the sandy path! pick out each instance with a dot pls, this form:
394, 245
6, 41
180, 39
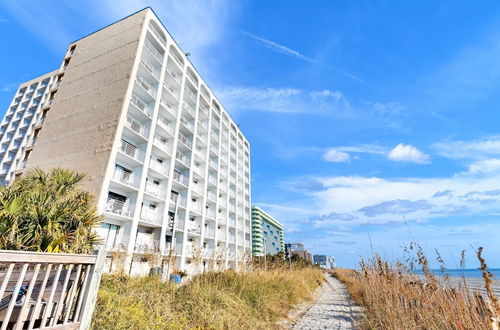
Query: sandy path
333, 309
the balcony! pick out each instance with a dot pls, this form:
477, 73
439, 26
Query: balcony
137, 127
210, 232
141, 105
153, 51
190, 94
171, 91
213, 163
185, 141
210, 214
212, 179
147, 246
202, 124
159, 167
155, 190
162, 145
117, 207
182, 158
194, 230
177, 77
204, 110
150, 216
168, 106
196, 207
197, 188
150, 68
187, 124
126, 178
189, 109
132, 151
212, 196
180, 178
146, 86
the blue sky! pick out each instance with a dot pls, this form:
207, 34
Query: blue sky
369, 121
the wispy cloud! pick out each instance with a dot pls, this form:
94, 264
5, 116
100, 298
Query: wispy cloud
294, 53
3, 20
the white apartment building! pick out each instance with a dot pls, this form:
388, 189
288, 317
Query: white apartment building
21, 123
169, 168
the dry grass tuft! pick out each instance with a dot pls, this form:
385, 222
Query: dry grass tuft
224, 300
394, 297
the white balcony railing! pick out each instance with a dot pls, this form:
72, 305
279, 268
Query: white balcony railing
185, 140
166, 125
155, 190
159, 167
212, 196
165, 146
150, 68
188, 108
167, 105
190, 94
213, 163
146, 86
147, 246
141, 105
171, 90
187, 124
182, 179
153, 50
212, 179
151, 216
126, 178
121, 208
136, 127
177, 77
182, 158
210, 213
210, 232
132, 151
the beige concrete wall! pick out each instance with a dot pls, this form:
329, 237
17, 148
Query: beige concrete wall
81, 125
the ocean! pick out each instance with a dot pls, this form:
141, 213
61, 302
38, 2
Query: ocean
468, 273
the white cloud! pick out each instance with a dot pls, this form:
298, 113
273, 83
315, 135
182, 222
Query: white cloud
409, 154
471, 149
336, 156
284, 100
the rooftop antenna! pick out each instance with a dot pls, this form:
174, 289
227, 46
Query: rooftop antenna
187, 54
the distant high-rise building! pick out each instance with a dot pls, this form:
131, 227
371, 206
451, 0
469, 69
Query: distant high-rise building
299, 250
267, 233
22, 122
169, 168
325, 262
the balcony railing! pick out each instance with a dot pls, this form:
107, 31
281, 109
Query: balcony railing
198, 188
204, 109
141, 105
146, 86
159, 167
185, 141
182, 158
212, 196
210, 232
155, 190
171, 90
150, 68
153, 50
132, 151
177, 77
182, 179
187, 124
195, 230
188, 108
121, 208
145, 246
190, 94
158, 35
213, 163
167, 105
203, 124
212, 179
151, 216
210, 214
165, 146
136, 127
126, 178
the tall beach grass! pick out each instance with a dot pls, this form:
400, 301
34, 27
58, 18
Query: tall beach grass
222, 300
394, 297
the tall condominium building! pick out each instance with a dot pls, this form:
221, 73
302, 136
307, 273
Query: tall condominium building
21, 124
267, 233
169, 168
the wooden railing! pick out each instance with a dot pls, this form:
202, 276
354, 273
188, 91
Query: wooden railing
48, 290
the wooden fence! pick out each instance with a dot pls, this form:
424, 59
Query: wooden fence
48, 290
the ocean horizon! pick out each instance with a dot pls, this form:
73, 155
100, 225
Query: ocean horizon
468, 272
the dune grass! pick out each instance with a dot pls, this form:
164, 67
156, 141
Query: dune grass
224, 300
394, 297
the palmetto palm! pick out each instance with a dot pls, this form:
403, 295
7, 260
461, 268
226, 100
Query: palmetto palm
48, 212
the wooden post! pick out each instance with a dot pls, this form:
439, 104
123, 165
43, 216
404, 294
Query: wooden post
90, 295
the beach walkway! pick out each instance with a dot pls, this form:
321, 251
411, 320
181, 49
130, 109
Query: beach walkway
332, 309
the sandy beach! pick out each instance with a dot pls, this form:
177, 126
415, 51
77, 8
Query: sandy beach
475, 284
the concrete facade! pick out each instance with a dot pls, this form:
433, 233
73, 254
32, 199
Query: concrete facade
324, 261
169, 168
267, 233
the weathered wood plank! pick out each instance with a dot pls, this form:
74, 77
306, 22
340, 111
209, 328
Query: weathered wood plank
41, 257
